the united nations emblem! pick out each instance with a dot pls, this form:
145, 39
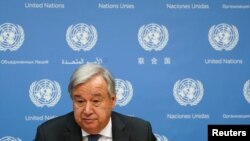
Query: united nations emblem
11, 37
153, 37
188, 92
246, 91
9, 138
45, 93
124, 92
81, 37
223, 37
160, 138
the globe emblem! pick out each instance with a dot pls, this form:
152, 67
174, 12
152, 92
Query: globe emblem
246, 91
9, 138
153, 37
160, 138
124, 92
45, 93
11, 37
81, 37
188, 92
223, 37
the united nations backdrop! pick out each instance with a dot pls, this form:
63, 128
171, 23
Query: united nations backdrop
182, 65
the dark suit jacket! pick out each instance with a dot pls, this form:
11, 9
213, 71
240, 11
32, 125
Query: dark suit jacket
124, 128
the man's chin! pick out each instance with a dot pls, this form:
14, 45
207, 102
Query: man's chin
89, 124
91, 130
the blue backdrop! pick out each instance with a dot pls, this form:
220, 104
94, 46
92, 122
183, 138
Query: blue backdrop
181, 65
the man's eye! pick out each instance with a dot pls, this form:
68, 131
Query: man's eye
79, 101
96, 101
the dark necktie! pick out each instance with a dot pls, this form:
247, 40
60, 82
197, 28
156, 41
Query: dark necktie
93, 137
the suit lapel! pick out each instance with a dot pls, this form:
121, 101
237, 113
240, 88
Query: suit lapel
118, 129
72, 137
73, 132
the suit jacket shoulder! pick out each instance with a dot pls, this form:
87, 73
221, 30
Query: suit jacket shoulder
59, 128
127, 128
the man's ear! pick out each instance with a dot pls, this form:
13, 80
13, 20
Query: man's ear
113, 99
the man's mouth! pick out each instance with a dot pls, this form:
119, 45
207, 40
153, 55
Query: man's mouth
88, 120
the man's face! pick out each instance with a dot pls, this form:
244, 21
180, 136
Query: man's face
92, 105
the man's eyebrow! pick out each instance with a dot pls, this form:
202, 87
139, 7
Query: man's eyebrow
96, 94
77, 96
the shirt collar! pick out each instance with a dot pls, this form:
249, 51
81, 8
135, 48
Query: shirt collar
107, 131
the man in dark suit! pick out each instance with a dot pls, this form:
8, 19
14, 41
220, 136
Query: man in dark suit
92, 89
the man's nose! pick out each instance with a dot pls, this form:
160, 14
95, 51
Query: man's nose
88, 109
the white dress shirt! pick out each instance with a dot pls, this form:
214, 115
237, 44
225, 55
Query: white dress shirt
106, 133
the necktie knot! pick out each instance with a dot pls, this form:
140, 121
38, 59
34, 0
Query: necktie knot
93, 137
